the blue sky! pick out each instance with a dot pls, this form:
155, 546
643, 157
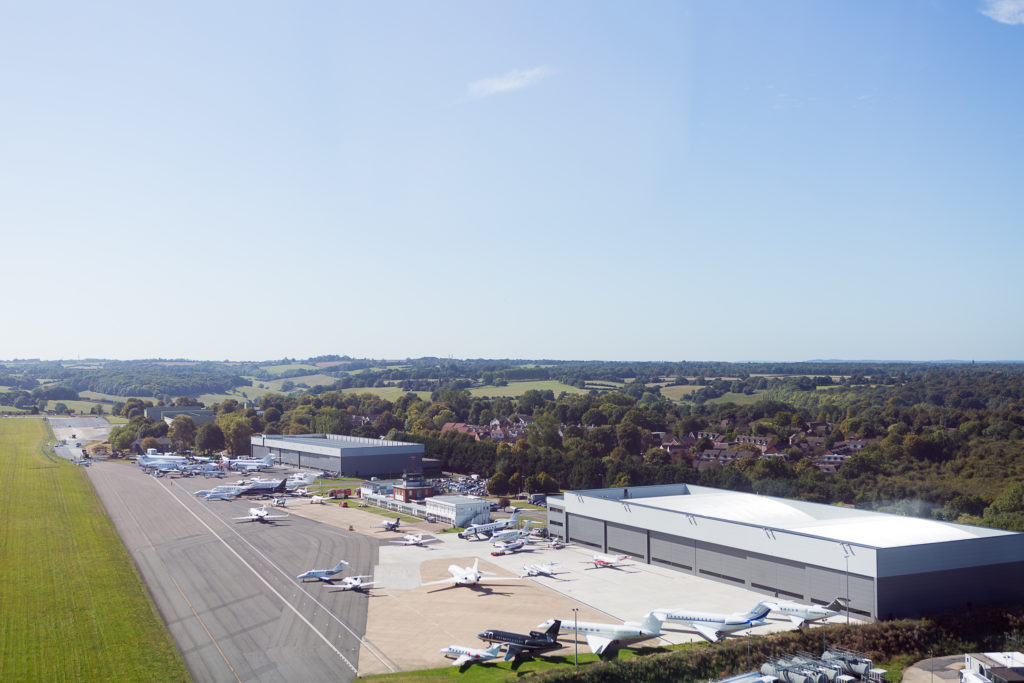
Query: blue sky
715, 180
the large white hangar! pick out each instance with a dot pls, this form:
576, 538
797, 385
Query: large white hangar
347, 456
890, 566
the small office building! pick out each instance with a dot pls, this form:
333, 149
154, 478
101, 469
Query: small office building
459, 510
346, 456
889, 566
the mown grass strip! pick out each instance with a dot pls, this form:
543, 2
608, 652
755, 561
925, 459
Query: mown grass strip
73, 604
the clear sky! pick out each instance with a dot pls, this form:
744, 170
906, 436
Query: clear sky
712, 180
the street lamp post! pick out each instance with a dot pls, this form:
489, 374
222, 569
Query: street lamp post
576, 635
931, 666
846, 556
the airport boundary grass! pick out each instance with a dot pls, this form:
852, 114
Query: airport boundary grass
73, 604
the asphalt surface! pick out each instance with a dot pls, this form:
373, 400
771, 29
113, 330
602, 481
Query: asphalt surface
226, 589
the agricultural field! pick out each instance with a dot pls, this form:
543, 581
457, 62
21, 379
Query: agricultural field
679, 392
279, 369
386, 393
310, 380
739, 399
515, 389
74, 607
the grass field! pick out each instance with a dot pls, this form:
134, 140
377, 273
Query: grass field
73, 605
515, 389
387, 393
679, 392
739, 399
278, 369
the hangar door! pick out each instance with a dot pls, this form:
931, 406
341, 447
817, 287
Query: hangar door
827, 584
627, 540
721, 562
778, 577
586, 531
671, 551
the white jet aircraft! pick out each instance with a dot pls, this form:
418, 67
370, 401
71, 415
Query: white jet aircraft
512, 534
509, 546
317, 500
468, 576
468, 655
477, 530
354, 583
604, 639
259, 514
416, 539
323, 574
713, 626
546, 569
801, 614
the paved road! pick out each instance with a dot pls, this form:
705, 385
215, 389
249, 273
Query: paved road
227, 590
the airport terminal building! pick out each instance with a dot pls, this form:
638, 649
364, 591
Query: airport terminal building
346, 456
890, 566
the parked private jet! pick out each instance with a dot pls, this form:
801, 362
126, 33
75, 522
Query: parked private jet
522, 644
416, 539
249, 464
512, 534
546, 569
503, 547
605, 639
469, 655
713, 626
354, 583
323, 574
468, 576
801, 614
486, 530
391, 525
318, 500
259, 514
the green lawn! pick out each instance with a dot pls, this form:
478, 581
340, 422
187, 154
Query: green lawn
74, 607
515, 389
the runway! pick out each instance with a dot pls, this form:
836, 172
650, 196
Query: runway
227, 590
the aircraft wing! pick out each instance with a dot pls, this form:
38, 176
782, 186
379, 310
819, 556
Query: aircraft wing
461, 659
711, 634
450, 579
276, 517
243, 519
598, 643
799, 621
513, 651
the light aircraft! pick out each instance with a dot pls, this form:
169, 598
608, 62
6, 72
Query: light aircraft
476, 530
546, 569
323, 574
509, 546
600, 560
354, 583
391, 524
317, 499
468, 655
713, 626
468, 576
299, 492
220, 492
416, 539
512, 534
298, 479
521, 644
259, 514
154, 459
605, 639
801, 614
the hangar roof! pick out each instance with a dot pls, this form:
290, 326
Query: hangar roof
841, 524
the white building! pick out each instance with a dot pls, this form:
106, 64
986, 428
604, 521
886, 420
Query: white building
459, 510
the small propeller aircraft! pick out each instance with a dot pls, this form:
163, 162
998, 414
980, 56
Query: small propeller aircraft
320, 500
260, 514
546, 569
323, 574
468, 576
354, 583
600, 560
416, 539
468, 655
391, 525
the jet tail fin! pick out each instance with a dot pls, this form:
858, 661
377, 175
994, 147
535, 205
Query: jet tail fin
838, 605
758, 611
341, 565
554, 628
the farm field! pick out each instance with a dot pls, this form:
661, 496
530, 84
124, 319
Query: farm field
74, 607
739, 399
519, 388
387, 393
679, 392
278, 369
310, 380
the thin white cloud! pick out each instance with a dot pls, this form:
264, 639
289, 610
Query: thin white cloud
513, 80
1004, 11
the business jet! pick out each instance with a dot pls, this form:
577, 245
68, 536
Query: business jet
323, 574
512, 534
469, 655
600, 560
154, 459
502, 547
522, 644
416, 539
259, 514
391, 525
605, 639
469, 576
801, 614
249, 464
354, 583
477, 530
714, 626
547, 569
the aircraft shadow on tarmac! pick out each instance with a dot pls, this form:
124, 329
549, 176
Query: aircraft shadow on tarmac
480, 590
